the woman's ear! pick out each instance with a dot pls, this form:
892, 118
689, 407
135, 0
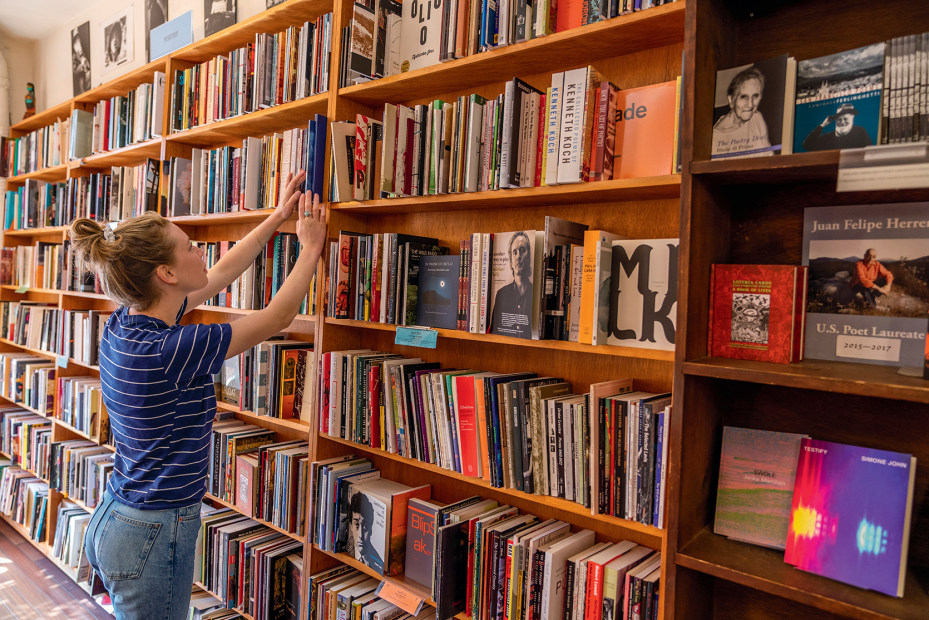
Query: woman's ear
165, 274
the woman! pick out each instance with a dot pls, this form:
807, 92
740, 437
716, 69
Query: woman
158, 389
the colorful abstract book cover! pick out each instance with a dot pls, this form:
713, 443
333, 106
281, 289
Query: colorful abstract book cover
850, 516
756, 483
868, 292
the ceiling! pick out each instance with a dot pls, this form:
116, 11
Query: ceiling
41, 18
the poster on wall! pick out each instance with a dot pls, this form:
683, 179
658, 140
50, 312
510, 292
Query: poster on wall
156, 13
117, 39
80, 58
218, 14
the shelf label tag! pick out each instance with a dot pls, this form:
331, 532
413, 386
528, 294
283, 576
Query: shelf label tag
883, 167
22, 289
417, 337
402, 598
61, 361
868, 348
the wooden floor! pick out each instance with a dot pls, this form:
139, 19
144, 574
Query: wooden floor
32, 587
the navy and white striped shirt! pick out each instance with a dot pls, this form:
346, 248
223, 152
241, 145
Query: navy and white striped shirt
158, 391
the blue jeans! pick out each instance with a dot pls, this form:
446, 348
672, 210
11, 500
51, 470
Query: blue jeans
145, 558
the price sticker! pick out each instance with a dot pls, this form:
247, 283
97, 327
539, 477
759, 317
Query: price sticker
417, 337
61, 361
401, 597
22, 289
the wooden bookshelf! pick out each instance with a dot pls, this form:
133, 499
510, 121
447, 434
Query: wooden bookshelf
751, 211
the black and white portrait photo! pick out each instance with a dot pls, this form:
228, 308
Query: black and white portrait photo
270, 3
80, 58
156, 13
512, 279
117, 40
218, 14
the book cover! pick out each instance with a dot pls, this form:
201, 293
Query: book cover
438, 291
413, 254
755, 313
643, 293
644, 136
850, 515
748, 111
421, 34
868, 292
515, 270
420, 540
246, 473
756, 482
839, 100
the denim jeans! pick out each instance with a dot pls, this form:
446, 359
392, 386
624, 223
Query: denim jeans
145, 558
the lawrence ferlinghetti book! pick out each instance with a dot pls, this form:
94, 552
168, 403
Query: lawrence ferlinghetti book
850, 516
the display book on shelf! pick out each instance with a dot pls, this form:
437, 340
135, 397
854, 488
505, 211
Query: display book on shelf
753, 213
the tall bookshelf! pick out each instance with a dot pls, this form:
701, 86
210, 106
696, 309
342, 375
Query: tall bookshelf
632, 50
751, 211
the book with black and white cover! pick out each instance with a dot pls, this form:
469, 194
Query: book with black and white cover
361, 41
421, 34
516, 279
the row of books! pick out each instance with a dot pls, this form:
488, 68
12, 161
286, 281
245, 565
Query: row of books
80, 470
25, 439
563, 283
342, 592
824, 503
274, 69
230, 179
28, 380
205, 606
386, 37
605, 449
273, 378
24, 499
73, 334
68, 542
42, 148
874, 94
32, 266
80, 406
35, 204
582, 128
265, 483
127, 119
247, 565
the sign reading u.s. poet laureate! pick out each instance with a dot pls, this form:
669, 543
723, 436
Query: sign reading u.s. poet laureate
868, 298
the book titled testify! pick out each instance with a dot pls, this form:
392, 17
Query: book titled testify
868, 284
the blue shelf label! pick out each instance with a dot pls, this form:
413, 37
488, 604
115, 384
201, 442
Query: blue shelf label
417, 337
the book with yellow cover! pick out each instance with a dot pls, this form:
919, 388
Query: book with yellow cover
645, 131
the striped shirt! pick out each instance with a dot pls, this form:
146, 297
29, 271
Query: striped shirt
158, 391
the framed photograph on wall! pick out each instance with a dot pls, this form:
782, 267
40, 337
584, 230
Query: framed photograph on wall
117, 39
156, 13
218, 14
80, 58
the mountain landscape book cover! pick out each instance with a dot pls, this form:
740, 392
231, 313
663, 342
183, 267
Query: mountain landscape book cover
850, 515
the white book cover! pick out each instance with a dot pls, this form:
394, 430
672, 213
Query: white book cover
474, 295
389, 149
343, 156
421, 34
252, 173
571, 138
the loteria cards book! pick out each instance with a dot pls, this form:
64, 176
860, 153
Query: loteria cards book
850, 516
839, 100
756, 483
757, 311
753, 109
868, 284
645, 128
643, 293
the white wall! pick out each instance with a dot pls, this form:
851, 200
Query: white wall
20, 57
53, 53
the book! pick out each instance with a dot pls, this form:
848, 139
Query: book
838, 103
645, 128
757, 469
517, 259
643, 293
438, 291
420, 540
420, 34
753, 109
757, 312
850, 514
865, 302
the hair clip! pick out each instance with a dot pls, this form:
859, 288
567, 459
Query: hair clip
109, 234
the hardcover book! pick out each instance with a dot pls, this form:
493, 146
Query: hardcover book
850, 515
749, 117
645, 128
438, 291
839, 100
643, 293
756, 482
869, 283
757, 312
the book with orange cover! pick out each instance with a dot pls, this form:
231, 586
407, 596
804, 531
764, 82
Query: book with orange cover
645, 131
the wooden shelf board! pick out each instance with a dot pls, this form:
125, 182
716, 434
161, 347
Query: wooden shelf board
223, 502
764, 569
270, 120
837, 377
653, 535
35, 232
54, 173
646, 188
125, 156
124, 83
84, 295
273, 20
302, 318
44, 291
655, 27
417, 589
550, 345
818, 166
53, 357
220, 219
279, 423
81, 434
43, 118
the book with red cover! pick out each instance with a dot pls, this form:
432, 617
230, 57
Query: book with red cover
467, 426
757, 312
246, 486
